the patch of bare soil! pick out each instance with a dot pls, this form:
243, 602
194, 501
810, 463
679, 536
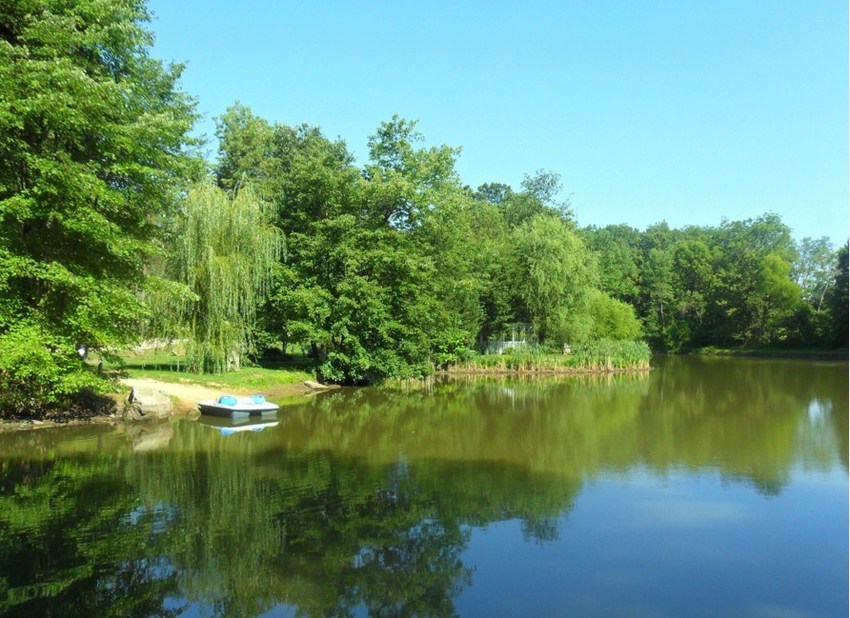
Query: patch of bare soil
187, 396
91, 408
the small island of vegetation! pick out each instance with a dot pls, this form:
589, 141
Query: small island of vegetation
114, 230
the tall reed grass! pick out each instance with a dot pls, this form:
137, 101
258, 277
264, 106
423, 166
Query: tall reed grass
601, 356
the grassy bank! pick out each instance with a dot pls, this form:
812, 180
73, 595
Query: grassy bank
800, 353
600, 356
166, 367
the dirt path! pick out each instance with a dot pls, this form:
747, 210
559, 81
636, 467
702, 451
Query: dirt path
187, 395
186, 398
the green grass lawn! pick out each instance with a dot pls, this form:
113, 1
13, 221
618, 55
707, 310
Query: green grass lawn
165, 366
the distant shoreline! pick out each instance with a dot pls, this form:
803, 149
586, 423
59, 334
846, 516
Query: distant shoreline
542, 371
803, 354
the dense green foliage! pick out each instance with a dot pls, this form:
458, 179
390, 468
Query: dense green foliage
224, 252
837, 301
742, 284
92, 151
396, 267
392, 267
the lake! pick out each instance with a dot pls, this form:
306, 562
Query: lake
707, 487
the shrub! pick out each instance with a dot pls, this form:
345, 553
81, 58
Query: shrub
38, 372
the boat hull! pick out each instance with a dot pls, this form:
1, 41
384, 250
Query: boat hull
237, 410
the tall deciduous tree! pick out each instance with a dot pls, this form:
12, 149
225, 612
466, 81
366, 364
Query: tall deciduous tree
93, 147
755, 296
538, 196
225, 254
838, 300
659, 299
405, 181
358, 238
814, 269
692, 263
245, 146
557, 274
617, 253
363, 299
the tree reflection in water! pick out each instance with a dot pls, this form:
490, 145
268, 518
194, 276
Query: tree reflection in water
364, 501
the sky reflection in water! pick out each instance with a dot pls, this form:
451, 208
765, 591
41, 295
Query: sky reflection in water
706, 488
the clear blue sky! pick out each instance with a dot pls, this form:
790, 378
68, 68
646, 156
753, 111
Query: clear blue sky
686, 111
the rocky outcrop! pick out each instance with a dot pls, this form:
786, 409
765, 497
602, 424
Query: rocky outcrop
146, 404
316, 386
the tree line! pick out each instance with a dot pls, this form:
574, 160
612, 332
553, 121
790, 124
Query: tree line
395, 266
740, 284
113, 227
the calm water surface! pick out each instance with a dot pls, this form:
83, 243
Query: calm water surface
706, 488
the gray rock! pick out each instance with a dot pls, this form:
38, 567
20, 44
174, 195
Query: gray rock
316, 386
146, 404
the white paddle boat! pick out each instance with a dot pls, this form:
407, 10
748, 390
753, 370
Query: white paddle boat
228, 406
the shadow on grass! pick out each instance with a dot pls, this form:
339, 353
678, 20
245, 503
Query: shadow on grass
178, 365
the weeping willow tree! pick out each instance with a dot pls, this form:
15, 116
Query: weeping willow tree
558, 276
225, 253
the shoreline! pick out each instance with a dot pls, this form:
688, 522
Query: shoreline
184, 397
545, 371
838, 354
